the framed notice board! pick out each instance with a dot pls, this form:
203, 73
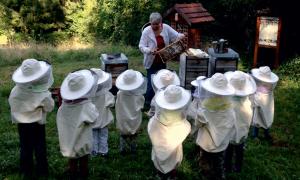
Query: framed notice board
267, 36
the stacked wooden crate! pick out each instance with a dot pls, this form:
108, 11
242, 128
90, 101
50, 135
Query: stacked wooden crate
191, 67
223, 62
114, 64
223, 65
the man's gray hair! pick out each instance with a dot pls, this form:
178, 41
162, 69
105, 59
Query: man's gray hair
155, 17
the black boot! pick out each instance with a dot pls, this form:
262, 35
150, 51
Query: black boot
218, 165
83, 167
172, 174
72, 172
228, 158
204, 162
255, 132
268, 137
239, 157
133, 144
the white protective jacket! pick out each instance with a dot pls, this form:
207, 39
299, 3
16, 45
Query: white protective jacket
148, 42
167, 132
215, 135
128, 112
74, 123
103, 102
243, 117
263, 114
192, 115
29, 107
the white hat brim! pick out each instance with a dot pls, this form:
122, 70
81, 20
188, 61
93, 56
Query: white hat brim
161, 101
104, 78
195, 83
157, 82
227, 91
274, 78
129, 87
18, 76
249, 88
68, 94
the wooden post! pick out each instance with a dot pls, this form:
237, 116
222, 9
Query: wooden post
276, 65
256, 43
265, 43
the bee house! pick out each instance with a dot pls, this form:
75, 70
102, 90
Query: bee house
189, 19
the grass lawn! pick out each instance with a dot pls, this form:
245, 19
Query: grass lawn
280, 160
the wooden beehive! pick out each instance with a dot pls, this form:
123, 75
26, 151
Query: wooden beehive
223, 65
223, 62
190, 68
114, 64
189, 18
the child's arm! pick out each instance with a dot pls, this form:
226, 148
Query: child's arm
200, 118
91, 113
48, 104
140, 102
109, 100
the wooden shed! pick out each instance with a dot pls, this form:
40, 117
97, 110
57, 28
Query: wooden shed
189, 18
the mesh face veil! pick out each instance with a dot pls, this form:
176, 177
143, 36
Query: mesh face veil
263, 87
139, 91
214, 102
105, 86
40, 85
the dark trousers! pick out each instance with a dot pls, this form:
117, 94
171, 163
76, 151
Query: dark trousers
128, 143
238, 150
78, 167
212, 164
267, 135
32, 139
150, 92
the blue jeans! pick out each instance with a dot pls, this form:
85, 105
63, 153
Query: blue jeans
150, 92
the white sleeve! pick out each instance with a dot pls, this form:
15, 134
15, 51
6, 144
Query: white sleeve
200, 116
91, 113
48, 104
174, 35
143, 46
109, 99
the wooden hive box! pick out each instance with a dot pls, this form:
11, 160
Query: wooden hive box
114, 64
190, 68
223, 65
223, 62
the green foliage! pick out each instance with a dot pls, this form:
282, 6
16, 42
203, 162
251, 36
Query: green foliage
81, 18
291, 69
33, 18
122, 20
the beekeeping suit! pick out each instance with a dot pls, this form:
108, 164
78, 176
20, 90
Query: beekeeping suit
216, 114
30, 101
76, 115
168, 128
263, 99
130, 100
